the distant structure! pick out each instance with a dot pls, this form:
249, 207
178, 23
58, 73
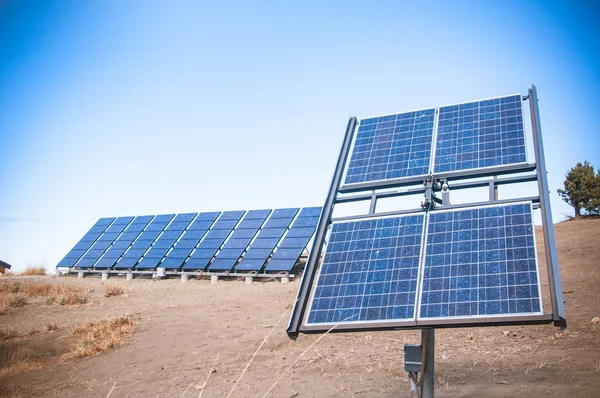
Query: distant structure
3, 267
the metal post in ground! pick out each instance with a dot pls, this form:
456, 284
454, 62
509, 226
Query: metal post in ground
428, 343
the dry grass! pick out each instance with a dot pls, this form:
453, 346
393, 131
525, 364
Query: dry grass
113, 290
34, 270
8, 333
20, 356
16, 293
95, 337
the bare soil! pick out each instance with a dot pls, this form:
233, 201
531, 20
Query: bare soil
182, 331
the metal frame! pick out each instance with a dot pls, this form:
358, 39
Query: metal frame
373, 191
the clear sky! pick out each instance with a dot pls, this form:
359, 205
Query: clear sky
111, 108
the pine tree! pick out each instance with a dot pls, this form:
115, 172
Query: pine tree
582, 189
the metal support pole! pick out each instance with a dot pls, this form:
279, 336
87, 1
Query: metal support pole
556, 294
428, 343
373, 204
104, 276
315, 254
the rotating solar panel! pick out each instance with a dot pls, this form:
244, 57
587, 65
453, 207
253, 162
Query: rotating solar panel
213, 241
103, 243
267, 239
133, 255
292, 246
189, 240
393, 146
480, 134
481, 262
237, 244
85, 243
123, 242
165, 242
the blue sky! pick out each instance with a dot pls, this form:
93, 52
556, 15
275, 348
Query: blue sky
112, 108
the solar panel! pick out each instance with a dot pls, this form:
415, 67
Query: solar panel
213, 241
133, 255
104, 241
112, 255
481, 262
166, 241
393, 146
369, 272
267, 239
85, 242
294, 243
239, 240
480, 134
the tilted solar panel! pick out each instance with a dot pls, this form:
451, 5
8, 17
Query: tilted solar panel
133, 255
294, 243
480, 134
369, 272
213, 241
267, 239
85, 243
123, 242
481, 262
103, 243
239, 240
476, 262
165, 242
189, 240
393, 146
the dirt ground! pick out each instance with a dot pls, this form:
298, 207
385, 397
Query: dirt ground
185, 330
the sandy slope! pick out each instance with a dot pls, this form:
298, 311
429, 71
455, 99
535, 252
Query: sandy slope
183, 330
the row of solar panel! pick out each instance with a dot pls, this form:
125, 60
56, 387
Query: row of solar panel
468, 136
478, 262
212, 241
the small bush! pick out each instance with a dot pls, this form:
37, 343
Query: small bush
17, 301
94, 337
34, 270
50, 326
113, 290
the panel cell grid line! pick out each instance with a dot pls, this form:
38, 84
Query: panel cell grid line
123, 242
190, 239
481, 262
213, 241
293, 244
237, 244
133, 255
85, 242
480, 134
103, 243
370, 272
393, 146
267, 239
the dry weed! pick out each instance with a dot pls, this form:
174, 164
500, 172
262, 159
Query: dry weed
19, 356
94, 337
16, 293
8, 333
34, 270
50, 326
113, 290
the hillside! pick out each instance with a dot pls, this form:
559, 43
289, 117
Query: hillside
182, 331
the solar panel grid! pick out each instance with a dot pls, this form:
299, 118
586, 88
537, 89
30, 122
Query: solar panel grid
120, 246
393, 146
480, 134
481, 262
369, 272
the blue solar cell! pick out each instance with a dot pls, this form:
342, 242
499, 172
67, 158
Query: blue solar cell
105, 262
278, 222
246, 233
90, 237
126, 262
164, 218
149, 235
200, 225
104, 221
185, 217
97, 229
257, 253
142, 219
187, 243
178, 225
306, 222
225, 224
110, 236
369, 272
254, 223
141, 244
208, 216
173, 262
480, 134
257, 214
128, 236
194, 234
481, 262
289, 243
391, 147
232, 215
210, 243
101, 245
311, 212
157, 252
181, 253
173, 235
135, 227
292, 254
116, 228
156, 226
264, 243
231, 252
218, 234
193, 264
272, 233
285, 213
148, 263
81, 245
164, 243
123, 220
